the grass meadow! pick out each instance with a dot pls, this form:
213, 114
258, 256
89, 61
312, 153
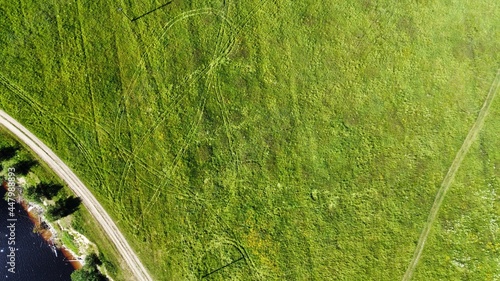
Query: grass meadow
301, 140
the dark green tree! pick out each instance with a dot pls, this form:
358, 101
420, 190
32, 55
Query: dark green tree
42, 190
49, 190
92, 260
24, 166
8, 152
89, 272
31, 194
86, 275
63, 208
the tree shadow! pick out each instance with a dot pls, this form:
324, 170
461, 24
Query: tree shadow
70, 205
63, 208
23, 167
8, 152
48, 190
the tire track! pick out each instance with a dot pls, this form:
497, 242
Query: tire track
448, 179
187, 82
198, 73
63, 126
177, 158
90, 202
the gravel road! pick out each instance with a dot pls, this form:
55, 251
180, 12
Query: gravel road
89, 201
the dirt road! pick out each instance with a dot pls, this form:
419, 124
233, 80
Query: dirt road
89, 201
448, 179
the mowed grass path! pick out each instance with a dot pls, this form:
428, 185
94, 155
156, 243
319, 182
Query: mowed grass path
308, 138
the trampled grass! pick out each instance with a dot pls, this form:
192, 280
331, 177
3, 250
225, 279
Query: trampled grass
308, 138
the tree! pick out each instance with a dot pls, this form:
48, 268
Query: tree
48, 190
86, 275
23, 167
8, 152
62, 208
89, 272
42, 190
31, 194
92, 260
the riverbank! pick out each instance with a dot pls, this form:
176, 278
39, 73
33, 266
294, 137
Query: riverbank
50, 234
26, 253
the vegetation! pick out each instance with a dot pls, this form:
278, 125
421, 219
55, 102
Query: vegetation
41, 183
84, 223
89, 272
42, 191
63, 208
23, 167
464, 241
69, 242
12, 155
307, 137
7, 152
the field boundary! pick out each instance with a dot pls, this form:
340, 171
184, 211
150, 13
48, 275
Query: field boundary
448, 179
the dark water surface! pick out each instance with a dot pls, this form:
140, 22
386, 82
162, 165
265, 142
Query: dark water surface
34, 258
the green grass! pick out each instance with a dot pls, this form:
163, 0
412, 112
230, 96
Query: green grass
81, 220
464, 243
69, 242
308, 137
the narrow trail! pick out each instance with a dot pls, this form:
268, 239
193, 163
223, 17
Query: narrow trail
448, 179
94, 207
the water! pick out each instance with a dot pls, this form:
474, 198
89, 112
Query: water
34, 258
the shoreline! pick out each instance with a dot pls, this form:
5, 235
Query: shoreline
47, 231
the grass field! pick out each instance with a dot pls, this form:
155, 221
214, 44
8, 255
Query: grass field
308, 138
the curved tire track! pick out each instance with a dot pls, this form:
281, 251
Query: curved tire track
90, 202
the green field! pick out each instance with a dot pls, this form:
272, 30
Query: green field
307, 138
